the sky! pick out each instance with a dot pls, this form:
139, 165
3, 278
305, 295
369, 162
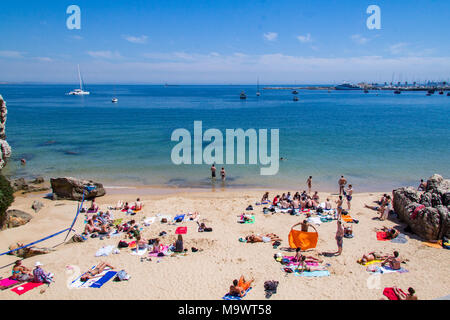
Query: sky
224, 41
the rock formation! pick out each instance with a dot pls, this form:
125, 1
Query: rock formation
72, 189
29, 186
427, 213
16, 218
5, 149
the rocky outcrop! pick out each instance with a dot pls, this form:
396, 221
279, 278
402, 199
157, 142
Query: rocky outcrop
21, 184
16, 218
5, 149
72, 189
427, 213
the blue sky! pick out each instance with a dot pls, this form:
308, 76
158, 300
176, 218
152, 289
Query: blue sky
224, 41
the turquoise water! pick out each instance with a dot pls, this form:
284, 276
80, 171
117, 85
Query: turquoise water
377, 141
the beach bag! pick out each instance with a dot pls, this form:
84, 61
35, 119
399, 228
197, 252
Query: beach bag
122, 276
163, 220
207, 229
344, 212
271, 286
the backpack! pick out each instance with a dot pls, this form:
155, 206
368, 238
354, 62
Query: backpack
122, 244
122, 276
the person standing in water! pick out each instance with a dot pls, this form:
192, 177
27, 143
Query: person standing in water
309, 184
342, 182
222, 173
213, 171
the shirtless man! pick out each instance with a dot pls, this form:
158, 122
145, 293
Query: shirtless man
138, 205
222, 173
240, 287
95, 272
305, 225
393, 261
328, 204
349, 196
213, 171
309, 184
265, 197
339, 203
339, 237
342, 182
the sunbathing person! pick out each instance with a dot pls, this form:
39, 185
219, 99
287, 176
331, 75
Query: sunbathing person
316, 197
157, 246
21, 273
178, 245
302, 266
262, 238
193, 216
402, 296
391, 233
96, 271
393, 261
245, 217
138, 205
372, 256
299, 256
240, 287
141, 243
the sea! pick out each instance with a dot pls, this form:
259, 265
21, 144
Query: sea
379, 141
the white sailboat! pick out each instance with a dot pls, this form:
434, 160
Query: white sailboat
257, 89
79, 92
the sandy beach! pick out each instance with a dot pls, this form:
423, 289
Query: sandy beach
208, 274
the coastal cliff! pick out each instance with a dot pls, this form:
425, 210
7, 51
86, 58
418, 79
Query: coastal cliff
5, 149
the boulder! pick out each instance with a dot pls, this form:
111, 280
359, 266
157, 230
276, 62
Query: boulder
19, 184
38, 180
16, 218
427, 214
37, 205
72, 189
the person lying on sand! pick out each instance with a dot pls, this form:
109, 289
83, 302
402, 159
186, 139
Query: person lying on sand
302, 266
96, 271
402, 296
268, 237
240, 287
393, 261
391, 233
20, 272
193, 216
245, 217
372, 256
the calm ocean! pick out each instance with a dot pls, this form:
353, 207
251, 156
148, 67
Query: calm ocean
378, 140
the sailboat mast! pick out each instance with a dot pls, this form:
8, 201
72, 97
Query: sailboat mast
79, 78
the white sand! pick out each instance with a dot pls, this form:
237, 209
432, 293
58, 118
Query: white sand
208, 274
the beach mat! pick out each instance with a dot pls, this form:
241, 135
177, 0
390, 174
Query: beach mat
347, 219
385, 269
100, 282
371, 262
390, 294
316, 273
401, 238
181, 230
26, 287
231, 297
252, 220
77, 283
303, 240
164, 250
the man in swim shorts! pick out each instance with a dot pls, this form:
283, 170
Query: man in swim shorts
240, 287
213, 171
339, 237
342, 182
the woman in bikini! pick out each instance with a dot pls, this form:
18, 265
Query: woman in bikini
21, 273
96, 271
372, 256
262, 238
302, 266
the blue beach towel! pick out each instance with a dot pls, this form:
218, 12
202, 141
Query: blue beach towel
180, 216
231, 297
100, 282
317, 273
401, 238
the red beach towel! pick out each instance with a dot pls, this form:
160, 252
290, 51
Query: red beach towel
181, 230
416, 211
390, 294
26, 287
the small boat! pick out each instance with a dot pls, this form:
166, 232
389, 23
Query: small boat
243, 96
257, 89
114, 100
295, 92
441, 92
79, 92
347, 86
397, 92
295, 98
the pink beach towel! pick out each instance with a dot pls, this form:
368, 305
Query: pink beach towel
26, 287
6, 283
163, 249
181, 230
291, 259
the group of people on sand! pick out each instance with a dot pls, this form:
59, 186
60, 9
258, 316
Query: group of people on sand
384, 207
37, 275
125, 207
100, 223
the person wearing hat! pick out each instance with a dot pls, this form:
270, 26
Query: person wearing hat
39, 274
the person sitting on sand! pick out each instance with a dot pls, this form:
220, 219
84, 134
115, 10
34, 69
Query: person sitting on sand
138, 205
96, 271
239, 288
315, 197
265, 197
276, 200
295, 203
178, 244
328, 205
21, 273
92, 226
93, 207
302, 266
262, 238
157, 246
371, 256
394, 261
119, 205
141, 243
39, 275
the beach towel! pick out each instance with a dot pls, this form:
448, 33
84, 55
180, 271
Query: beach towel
382, 236
347, 219
77, 283
385, 269
390, 294
317, 273
231, 297
117, 222
26, 287
314, 220
296, 263
167, 217
100, 282
104, 251
181, 230
8, 283
252, 220
437, 245
177, 217
372, 262
401, 238
303, 240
